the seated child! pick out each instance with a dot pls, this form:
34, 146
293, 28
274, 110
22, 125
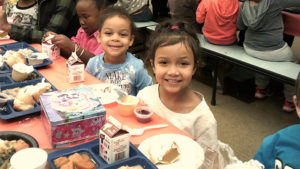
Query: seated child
174, 55
23, 13
116, 65
138, 9
219, 18
85, 43
282, 149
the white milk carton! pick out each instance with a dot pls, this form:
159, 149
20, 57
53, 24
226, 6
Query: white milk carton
49, 48
114, 141
75, 69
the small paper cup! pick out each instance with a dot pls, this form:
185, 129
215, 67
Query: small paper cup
3, 99
127, 104
29, 158
19, 76
21, 72
143, 114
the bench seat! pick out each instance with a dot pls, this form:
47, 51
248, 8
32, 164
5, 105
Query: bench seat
285, 72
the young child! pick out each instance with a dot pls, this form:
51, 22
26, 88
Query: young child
219, 18
116, 65
264, 27
174, 55
85, 43
23, 13
138, 9
282, 149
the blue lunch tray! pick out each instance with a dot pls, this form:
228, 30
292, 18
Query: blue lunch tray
10, 113
92, 149
15, 47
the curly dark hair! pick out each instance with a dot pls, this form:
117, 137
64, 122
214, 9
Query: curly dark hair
101, 4
112, 11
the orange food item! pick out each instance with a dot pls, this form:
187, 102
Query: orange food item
20, 144
76, 160
68, 165
61, 161
85, 156
85, 164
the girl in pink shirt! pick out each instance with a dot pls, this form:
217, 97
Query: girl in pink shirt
85, 43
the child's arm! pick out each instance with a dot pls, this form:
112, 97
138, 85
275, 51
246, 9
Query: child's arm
142, 79
59, 22
68, 46
265, 153
239, 22
201, 12
64, 43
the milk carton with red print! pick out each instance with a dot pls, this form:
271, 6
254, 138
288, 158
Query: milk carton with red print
113, 141
49, 48
75, 69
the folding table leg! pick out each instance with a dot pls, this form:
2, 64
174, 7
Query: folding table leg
215, 76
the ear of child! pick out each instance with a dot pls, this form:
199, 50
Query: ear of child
295, 100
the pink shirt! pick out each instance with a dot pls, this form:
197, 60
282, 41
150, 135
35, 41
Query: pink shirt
88, 42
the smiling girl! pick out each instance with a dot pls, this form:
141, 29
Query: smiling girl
116, 65
174, 54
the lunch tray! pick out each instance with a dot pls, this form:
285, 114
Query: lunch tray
10, 113
92, 149
6, 79
15, 47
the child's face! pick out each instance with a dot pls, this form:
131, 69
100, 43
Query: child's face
115, 37
173, 67
297, 105
88, 16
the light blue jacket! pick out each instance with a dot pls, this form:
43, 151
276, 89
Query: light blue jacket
131, 76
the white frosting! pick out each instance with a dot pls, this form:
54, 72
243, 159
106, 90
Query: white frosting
8, 54
26, 52
22, 68
39, 56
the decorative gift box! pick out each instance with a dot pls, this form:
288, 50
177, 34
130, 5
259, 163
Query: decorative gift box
71, 115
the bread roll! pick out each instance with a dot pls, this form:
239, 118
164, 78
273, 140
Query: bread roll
23, 101
15, 58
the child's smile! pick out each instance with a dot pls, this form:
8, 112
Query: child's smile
173, 67
115, 38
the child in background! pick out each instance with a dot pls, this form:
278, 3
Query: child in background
219, 18
85, 43
138, 9
185, 9
262, 20
23, 13
174, 54
116, 65
282, 149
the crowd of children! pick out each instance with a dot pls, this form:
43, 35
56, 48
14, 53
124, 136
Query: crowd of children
107, 31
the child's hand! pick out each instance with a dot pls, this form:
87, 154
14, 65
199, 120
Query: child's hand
64, 43
47, 34
4, 25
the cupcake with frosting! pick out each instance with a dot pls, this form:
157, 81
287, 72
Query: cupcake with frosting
21, 72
